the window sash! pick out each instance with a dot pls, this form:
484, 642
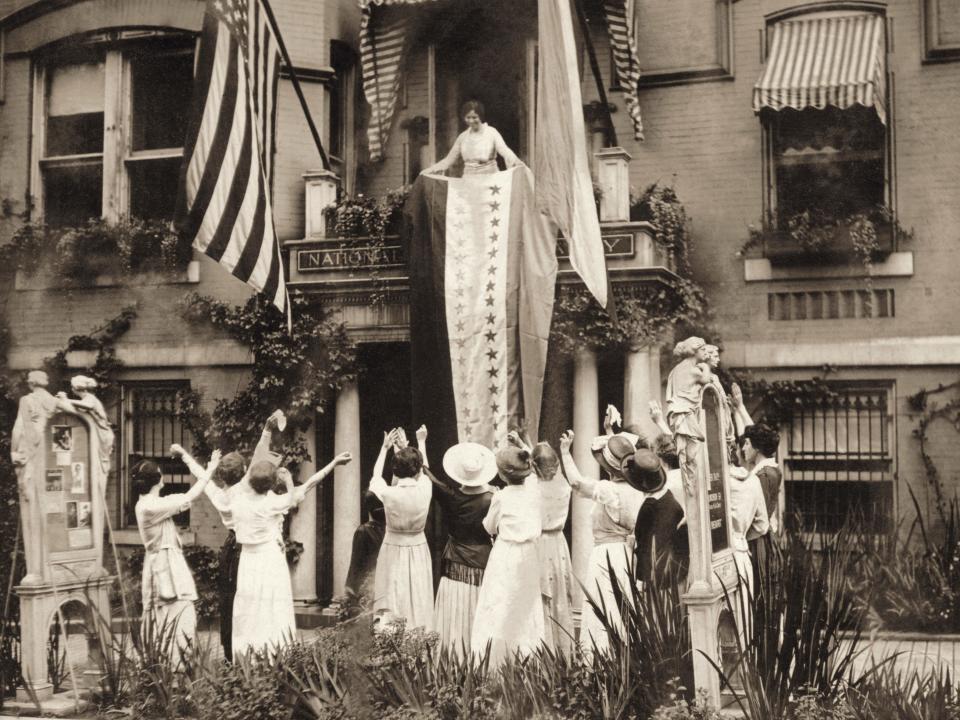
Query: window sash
117, 152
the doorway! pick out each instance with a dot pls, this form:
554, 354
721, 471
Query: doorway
482, 54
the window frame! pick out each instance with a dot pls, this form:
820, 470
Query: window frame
770, 120
125, 446
934, 50
116, 50
852, 387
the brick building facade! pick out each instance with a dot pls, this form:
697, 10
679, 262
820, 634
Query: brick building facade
777, 317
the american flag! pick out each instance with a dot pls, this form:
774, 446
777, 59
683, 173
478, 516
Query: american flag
226, 179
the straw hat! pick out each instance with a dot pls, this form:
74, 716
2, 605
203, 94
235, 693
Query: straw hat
470, 464
643, 471
614, 451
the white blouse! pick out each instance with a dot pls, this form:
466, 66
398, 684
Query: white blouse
406, 503
514, 513
748, 510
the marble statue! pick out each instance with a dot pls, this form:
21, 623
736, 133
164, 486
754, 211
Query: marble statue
88, 404
684, 385
27, 451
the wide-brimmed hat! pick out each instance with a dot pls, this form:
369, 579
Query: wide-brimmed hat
470, 464
614, 451
643, 471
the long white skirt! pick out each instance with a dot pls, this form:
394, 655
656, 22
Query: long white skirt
509, 615
173, 622
263, 615
599, 587
403, 585
455, 609
556, 585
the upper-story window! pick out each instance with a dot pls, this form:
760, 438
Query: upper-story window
108, 131
822, 99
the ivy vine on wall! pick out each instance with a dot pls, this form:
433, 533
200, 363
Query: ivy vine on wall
926, 403
298, 371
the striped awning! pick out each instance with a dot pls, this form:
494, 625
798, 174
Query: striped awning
837, 60
383, 44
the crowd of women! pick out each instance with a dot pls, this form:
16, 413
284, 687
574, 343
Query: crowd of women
507, 585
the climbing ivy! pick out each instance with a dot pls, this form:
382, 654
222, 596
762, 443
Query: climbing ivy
930, 409
299, 370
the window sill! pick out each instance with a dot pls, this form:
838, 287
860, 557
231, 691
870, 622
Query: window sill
897, 264
44, 281
131, 537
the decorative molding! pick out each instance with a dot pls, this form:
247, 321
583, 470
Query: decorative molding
44, 281
720, 69
936, 49
875, 352
226, 353
898, 264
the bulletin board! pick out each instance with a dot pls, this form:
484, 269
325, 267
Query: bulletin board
66, 496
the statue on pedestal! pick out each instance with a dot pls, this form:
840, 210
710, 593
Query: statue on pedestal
683, 403
26, 451
90, 405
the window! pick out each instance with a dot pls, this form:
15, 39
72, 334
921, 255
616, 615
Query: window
941, 30
150, 425
828, 162
822, 99
109, 131
343, 95
839, 460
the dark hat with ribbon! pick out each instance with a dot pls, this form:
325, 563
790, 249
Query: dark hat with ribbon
643, 471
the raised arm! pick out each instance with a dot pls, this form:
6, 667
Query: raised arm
262, 450
656, 414
583, 486
422, 444
195, 468
203, 478
741, 417
311, 482
377, 483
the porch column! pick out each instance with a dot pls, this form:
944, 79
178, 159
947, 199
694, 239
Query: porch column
346, 483
303, 529
585, 422
613, 177
641, 384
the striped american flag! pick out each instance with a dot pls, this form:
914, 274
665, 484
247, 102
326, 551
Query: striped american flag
226, 179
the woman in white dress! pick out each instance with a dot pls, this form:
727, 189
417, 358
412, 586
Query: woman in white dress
749, 519
263, 617
167, 584
478, 145
509, 617
556, 570
403, 583
614, 518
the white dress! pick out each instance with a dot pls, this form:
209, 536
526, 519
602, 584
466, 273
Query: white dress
479, 151
403, 584
748, 514
556, 570
614, 517
167, 586
263, 616
509, 616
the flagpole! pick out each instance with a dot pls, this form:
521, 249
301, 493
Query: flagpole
296, 83
595, 68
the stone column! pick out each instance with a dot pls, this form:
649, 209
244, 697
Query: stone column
641, 384
303, 529
320, 187
637, 388
346, 483
585, 427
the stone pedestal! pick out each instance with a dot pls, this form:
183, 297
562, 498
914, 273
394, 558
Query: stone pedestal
613, 177
38, 606
346, 489
585, 428
320, 187
303, 529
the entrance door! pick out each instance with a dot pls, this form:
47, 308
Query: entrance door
385, 400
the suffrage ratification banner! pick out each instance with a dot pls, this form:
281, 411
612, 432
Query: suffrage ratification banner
483, 267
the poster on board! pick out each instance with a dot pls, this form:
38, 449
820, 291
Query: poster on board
78, 475
54, 481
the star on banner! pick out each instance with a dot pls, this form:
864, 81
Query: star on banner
494, 189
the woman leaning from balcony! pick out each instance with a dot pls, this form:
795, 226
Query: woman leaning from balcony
478, 145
